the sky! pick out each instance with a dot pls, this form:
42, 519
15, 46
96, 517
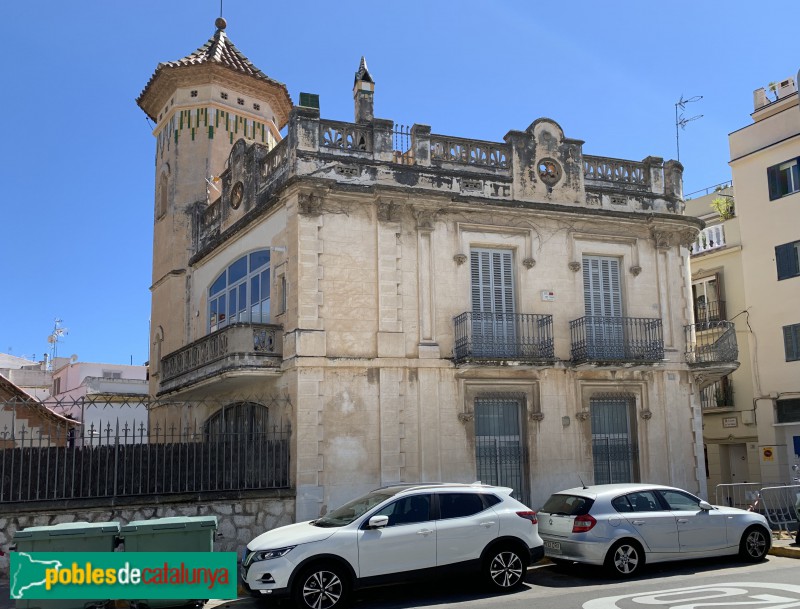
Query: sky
78, 206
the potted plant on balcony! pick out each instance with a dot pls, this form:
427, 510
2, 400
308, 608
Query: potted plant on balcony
723, 205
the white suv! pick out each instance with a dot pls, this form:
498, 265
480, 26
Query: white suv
395, 534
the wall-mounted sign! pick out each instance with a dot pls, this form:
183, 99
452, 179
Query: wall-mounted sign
730, 422
767, 453
548, 296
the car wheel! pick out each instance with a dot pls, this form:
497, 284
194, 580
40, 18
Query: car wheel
504, 568
624, 559
754, 545
323, 586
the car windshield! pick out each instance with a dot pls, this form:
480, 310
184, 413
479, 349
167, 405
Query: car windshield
567, 505
354, 509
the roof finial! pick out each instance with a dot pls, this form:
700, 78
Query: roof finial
220, 22
363, 72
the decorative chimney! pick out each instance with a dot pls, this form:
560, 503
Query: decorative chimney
364, 94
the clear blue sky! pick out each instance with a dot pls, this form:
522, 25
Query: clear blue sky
78, 152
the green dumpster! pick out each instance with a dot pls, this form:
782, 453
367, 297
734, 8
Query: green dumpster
176, 534
66, 537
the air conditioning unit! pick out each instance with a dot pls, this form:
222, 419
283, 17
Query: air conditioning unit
786, 87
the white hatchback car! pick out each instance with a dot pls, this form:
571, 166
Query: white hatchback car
394, 534
622, 526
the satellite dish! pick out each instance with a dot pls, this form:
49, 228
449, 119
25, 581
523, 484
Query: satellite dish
73, 358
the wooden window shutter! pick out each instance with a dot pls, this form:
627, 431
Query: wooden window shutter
773, 183
791, 338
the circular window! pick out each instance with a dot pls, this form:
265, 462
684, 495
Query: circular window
549, 171
237, 192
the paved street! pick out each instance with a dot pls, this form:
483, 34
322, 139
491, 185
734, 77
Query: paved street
554, 588
773, 583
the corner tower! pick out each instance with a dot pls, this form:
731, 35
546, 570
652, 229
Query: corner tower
201, 104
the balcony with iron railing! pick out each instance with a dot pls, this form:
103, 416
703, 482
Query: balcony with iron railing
239, 346
521, 337
608, 340
717, 395
711, 350
711, 342
709, 311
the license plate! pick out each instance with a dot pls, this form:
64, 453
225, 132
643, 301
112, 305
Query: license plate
552, 545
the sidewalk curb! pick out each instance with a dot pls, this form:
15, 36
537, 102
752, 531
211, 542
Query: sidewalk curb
785, 551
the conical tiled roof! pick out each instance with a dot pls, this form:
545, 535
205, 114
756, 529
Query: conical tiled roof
218, 51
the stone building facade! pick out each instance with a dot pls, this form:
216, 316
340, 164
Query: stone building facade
418, 306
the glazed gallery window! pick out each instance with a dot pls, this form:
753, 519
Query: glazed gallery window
784, 179
791, 342
241, 292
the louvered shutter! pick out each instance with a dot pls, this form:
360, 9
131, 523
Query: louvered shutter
492, 300
773, 183
602, 288
603, 305
786, 259
791, 338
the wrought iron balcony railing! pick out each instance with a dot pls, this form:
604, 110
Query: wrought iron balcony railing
711, 342
597, 338
717, 395
503, 336
710, 311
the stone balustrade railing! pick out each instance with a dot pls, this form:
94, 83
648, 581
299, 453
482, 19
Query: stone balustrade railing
345, 136
710, 238
614, 170
470, 152
275, 158
239, 338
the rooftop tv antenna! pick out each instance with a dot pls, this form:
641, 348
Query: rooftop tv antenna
681, 121
55, 336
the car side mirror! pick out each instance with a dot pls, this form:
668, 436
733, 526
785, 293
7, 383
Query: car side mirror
378, 522
705, 505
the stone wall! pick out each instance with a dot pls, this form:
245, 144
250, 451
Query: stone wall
240, 519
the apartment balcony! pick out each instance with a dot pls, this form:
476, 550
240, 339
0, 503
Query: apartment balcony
710, 311
237, 348
710, 238
616, 340
717, 396
493, 337
711, 350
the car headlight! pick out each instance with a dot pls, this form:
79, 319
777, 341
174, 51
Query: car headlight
260, 555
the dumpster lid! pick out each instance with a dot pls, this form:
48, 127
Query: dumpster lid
185, 523
85, 529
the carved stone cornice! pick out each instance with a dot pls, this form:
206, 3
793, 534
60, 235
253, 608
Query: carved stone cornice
425, 219
662, 238
388, 211
310, 203
688, 237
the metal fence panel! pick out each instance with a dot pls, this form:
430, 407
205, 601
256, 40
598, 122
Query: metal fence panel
76, 449
779, 506
740, 495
